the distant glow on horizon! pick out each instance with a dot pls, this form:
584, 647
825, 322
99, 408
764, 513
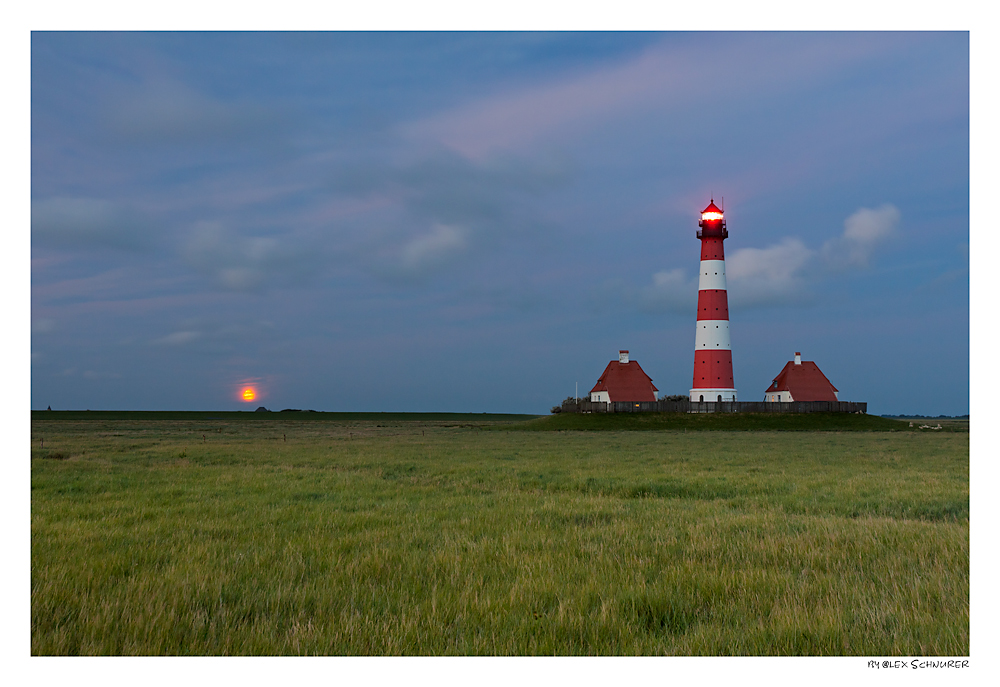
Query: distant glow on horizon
711, 215
249, 389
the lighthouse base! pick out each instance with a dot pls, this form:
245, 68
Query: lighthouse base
713, 395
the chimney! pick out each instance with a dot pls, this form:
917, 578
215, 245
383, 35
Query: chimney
798, 358
623, 356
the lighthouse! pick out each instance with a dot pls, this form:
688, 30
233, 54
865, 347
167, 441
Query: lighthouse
713, 354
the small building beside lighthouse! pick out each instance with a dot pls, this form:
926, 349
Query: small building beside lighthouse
623, 380
800, 380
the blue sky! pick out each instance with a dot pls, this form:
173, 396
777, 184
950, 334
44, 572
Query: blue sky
479, 221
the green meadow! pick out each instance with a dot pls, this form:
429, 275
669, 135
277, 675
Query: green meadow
421, 534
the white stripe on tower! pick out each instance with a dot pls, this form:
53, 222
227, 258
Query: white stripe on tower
712, 335
713, 275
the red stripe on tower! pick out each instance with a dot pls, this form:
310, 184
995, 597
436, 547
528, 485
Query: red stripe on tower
713, 355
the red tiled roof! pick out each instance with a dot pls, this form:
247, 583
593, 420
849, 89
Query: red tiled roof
805, 382
626, 382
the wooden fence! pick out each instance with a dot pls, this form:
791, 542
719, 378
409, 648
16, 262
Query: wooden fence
587, 406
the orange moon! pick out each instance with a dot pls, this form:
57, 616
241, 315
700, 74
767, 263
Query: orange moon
249, 394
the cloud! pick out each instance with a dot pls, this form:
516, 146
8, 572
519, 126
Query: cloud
165, 110
445, 187
439, 206
43, 326
663, 79
529, 114
782, 273
864, 231
87, 223
755, 276
766, 276
215, 335
670, 291
178, 338
91, 374
88, 374
434, 249
241, 263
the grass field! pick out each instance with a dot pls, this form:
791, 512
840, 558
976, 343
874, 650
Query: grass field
315, 533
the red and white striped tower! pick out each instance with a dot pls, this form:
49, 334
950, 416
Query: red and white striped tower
713, 354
